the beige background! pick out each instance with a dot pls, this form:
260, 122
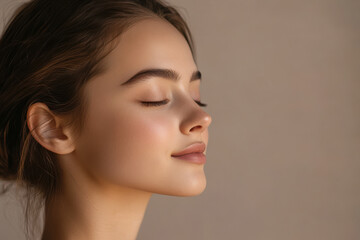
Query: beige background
282, 80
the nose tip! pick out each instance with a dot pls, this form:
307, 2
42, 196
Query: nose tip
196, 119
203, 124
209, 119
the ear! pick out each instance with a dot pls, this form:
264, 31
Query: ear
49, 130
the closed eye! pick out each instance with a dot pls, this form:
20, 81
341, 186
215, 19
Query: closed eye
159, 103
163, 102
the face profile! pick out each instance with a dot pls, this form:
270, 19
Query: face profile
128, 143
107, 112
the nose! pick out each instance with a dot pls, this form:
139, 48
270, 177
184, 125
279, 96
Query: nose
195, 120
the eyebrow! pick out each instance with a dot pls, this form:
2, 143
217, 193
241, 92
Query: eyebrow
159, 72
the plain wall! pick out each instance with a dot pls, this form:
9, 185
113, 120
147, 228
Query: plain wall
282, 83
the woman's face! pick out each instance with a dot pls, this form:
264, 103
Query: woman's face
130, 144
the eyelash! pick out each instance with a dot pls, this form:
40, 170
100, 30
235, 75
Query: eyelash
159, 103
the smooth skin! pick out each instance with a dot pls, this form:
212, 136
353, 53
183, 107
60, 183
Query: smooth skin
123, 155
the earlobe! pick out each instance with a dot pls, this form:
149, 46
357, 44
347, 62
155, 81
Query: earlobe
48, 129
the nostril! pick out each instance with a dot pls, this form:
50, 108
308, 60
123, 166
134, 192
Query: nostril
195, 127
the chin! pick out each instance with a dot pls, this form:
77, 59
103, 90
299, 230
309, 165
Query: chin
194, 192
187, 189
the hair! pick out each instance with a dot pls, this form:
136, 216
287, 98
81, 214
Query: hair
49, 50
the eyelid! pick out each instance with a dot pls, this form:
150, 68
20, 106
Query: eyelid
163, 102
155, 103
201, 104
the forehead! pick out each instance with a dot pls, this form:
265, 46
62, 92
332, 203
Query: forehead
150, 43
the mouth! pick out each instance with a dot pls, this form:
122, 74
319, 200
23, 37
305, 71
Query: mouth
197, 157
193, 153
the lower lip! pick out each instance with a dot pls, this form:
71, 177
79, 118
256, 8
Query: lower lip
199, 158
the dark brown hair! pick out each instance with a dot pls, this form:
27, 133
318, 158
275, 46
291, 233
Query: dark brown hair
48, 51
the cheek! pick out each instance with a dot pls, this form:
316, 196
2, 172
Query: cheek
130, 144
146, 132
140, 135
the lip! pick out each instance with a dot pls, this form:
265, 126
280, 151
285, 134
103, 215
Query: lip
198, 147
193, 153
198, 158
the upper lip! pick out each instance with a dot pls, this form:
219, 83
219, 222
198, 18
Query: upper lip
198, 147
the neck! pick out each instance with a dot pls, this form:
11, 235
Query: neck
103, 213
